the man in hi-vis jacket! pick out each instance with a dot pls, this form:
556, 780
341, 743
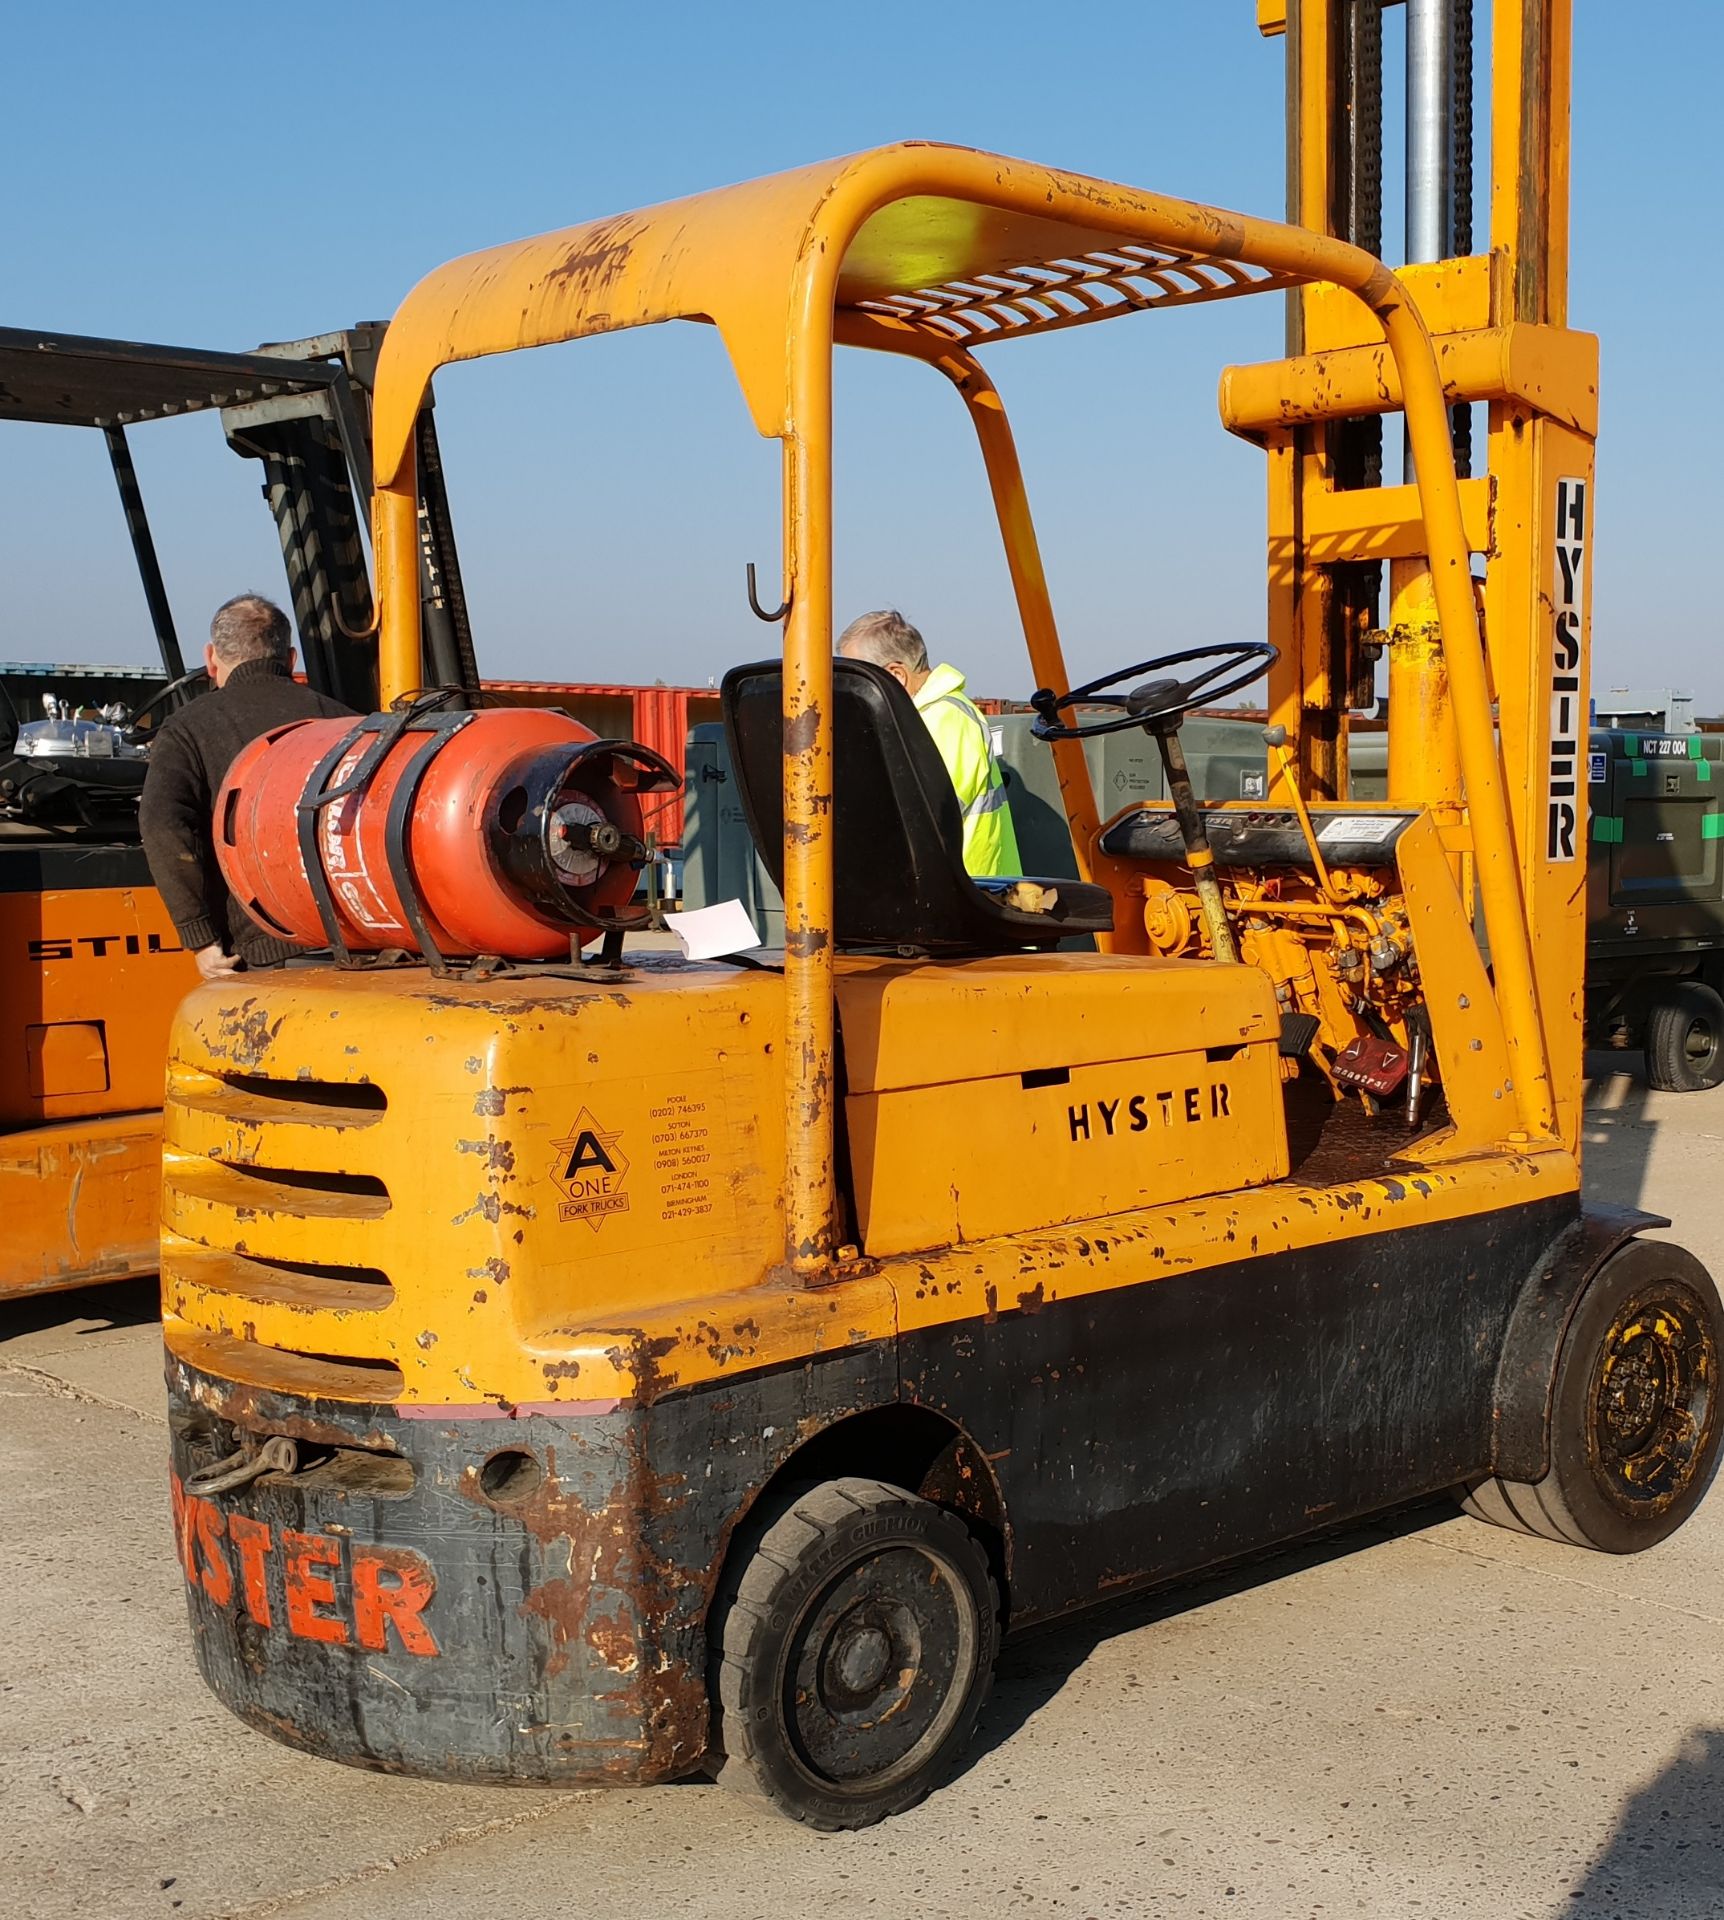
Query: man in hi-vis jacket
959, 731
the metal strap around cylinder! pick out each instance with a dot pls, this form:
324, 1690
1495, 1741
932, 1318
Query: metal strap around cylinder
309, 856
439, 731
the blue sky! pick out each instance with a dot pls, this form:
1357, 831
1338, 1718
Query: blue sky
219, 177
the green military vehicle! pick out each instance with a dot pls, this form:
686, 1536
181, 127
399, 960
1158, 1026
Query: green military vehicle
1654, 896
1655, 903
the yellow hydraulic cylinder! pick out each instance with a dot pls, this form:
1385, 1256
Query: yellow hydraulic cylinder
1424, 748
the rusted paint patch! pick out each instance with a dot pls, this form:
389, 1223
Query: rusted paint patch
801, 733
244, 1034
611, 1638
492, 1207
606, 1602
589, 270
499, 1155
257, 1410
491, 1104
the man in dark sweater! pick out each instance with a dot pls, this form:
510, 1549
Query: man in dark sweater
250, 663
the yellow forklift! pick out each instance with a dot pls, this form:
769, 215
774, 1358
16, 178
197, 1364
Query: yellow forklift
589, 1366
90, 966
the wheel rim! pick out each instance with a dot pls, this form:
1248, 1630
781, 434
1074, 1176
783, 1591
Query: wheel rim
1654, 1399
878, 1667
1700, 1043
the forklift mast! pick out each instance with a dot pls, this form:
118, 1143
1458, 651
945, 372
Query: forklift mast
315, 446
303, 409
1498, 317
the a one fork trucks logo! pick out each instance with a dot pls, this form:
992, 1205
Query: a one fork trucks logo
1562, 812
590, 1168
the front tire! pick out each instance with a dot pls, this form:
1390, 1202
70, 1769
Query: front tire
1685, 1039
1635, 1420
858, 1644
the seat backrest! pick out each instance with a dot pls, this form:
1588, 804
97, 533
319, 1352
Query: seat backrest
899, 878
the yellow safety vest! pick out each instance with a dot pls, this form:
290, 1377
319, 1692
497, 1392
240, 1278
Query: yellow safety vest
967, 747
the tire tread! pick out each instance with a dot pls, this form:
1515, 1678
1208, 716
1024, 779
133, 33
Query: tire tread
812, 1517
1668, 1067
1563, 1506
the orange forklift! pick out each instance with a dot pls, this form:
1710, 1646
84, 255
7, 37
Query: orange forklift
589, 1366
90, 967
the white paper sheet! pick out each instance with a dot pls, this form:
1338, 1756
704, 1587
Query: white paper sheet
707, 933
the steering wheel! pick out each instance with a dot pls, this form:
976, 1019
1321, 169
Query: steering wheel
176, 694
1157, 705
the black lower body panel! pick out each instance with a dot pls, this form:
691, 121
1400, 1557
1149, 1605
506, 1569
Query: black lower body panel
1147, 1432
526, 1599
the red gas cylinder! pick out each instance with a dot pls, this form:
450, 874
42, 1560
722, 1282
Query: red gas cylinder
500, 833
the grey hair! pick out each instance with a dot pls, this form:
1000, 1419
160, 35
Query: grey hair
886, 638
249, 627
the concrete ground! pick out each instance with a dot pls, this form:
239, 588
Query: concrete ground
1428, 1717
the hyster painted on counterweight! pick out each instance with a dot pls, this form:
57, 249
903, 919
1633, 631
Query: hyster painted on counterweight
597, 1372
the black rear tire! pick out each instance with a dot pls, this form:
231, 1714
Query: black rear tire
858, 1641
1685, 1039
1635, 1419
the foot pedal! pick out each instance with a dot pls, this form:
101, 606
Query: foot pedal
1298, 1030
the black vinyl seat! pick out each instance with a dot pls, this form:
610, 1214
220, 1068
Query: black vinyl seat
899, 878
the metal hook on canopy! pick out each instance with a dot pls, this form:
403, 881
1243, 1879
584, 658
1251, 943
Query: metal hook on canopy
760, 612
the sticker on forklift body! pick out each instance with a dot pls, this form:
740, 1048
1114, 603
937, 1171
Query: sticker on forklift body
1253, 783
1562, 805
590, 1168
1372, 827
1597, 768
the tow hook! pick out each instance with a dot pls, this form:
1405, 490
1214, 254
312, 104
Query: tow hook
277, 1455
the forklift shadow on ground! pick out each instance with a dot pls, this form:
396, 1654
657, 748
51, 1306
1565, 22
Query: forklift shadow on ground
1038, 1664
1617, 1128
1035, 1667
103, 1308
1665, 1856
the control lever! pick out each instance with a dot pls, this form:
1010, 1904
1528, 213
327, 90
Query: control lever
1418, 1049
1275, 739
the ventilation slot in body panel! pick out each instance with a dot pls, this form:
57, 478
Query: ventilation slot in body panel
260, 1100
285, 1190
305, 1284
